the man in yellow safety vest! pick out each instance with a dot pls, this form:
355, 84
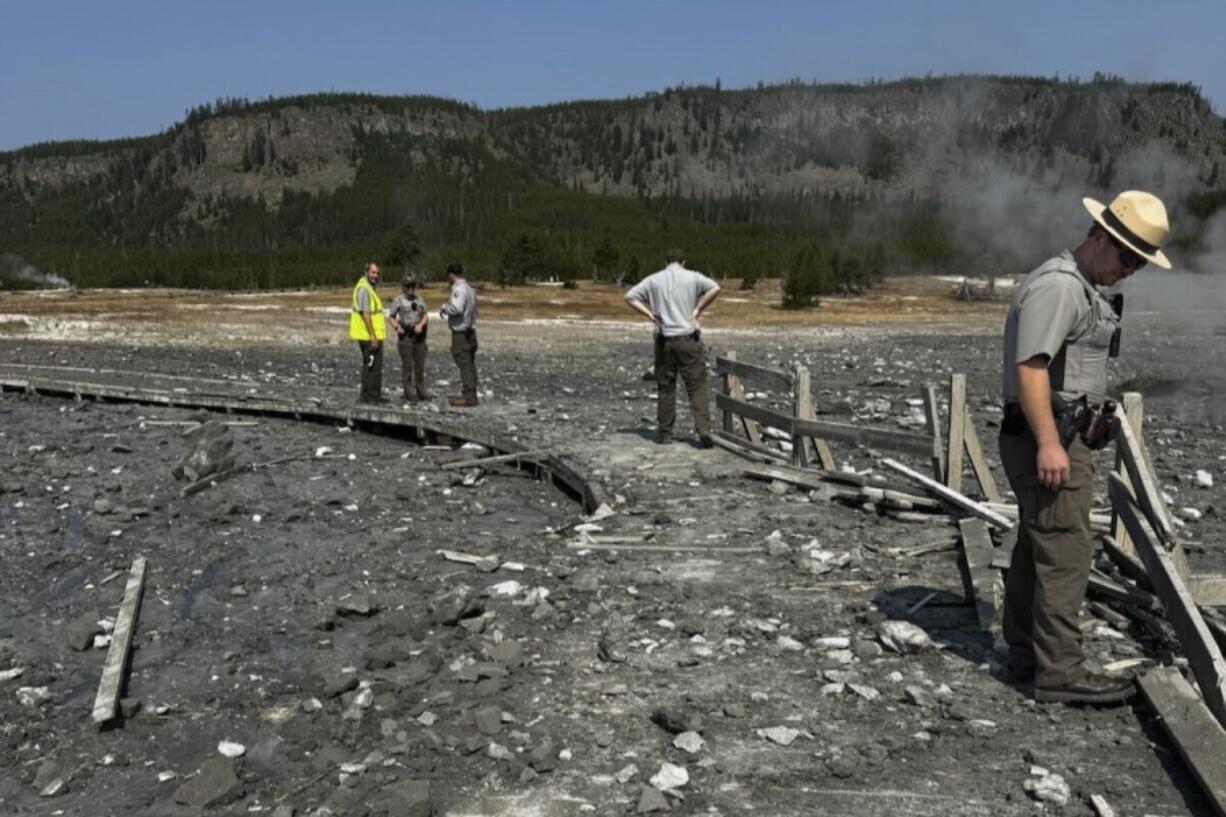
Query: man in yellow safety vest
368, 326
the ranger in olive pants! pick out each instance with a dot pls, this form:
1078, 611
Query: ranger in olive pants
464, 353
1050, 566
673, 299
684, 356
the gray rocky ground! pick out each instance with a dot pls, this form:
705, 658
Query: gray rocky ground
302, 611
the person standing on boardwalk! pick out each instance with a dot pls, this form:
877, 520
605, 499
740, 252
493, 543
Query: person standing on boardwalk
369, 328
409, 320
460, 312
673, 299
1059, 333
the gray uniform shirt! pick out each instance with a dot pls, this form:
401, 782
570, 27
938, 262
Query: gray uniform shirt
408, 312
461, 309
671, 294
1055, 305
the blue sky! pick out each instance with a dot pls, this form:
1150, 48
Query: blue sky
102, 70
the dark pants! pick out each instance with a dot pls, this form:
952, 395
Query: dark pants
464, 352
372, 373
1051, 563
412, 366
682, 356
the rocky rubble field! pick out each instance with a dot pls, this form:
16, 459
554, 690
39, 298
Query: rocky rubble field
715, 645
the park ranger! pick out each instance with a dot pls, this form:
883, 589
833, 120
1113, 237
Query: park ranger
673, 299
460, 312
369, 328
409, 320
1059, 333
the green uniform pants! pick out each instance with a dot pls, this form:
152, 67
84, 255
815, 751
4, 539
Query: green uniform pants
412, 366
682, 356
1051, 563
372, 371
464, 352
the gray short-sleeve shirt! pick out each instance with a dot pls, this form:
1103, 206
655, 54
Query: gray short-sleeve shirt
671, 294
1048, 308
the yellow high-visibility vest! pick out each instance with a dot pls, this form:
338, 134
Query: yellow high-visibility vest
357, 326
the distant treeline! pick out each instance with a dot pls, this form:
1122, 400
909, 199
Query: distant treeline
507, 226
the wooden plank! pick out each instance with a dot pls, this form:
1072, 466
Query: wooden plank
739, 445
802, 406
661, 548
1004, 553
776, 379
790, 476
1209, 589
728, 379
1144, 486
1126, 561
977, 547
1134, 415
807, 411
1204, 656
1199, 739
932, 418
979, 464
949, 495
957, 428
115, 670
1101, 585
900, 441
534, 454
757, 414
736, 392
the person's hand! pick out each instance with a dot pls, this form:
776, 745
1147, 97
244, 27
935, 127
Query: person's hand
1052, 465
417, 329
375, 344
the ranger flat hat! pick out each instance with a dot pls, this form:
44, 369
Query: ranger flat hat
409, 281
1138, 220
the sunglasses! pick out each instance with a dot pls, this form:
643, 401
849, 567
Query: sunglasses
1128, 258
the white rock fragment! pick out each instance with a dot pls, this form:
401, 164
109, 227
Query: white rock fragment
427, 718
903, 637
231, 749
33, 696
10, 674
670, 777
1203, 478
788, 643
505, 589
690, 742
1049, 788
782, 735
868, 693
1191, 513
165, 776
832, 642
499, 752
626, 773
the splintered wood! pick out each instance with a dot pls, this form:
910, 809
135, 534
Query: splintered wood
114, 671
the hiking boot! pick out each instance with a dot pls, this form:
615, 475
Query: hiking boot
665, 438
1092, 689
460, 401
705, 441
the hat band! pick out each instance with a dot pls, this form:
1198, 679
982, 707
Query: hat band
1111, 220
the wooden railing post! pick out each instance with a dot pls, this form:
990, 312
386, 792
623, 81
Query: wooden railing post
957, 431
802, 406
1134, 415
932, 417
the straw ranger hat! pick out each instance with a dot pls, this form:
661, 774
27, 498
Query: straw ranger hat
1138, 220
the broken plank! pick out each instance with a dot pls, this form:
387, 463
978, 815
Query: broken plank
1204, 656
480, 461
732, 385
661, 548
1100, 584
901, 441
792, 476
745, 448
776, 379
115, 670
957, 427
483, 562
949, 495
1208, 589
979, 464
932, 419
977, 547
1004, 553
1134, 415
1144, 485
1199, 739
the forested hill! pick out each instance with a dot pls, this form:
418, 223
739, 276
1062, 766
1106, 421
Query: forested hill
301, 190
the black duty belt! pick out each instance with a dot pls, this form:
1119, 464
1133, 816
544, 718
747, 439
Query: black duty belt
695, 335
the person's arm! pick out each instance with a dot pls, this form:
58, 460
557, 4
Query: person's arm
706, 300
643, 309
454, 305
364, 306
420, 326
1034, 382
